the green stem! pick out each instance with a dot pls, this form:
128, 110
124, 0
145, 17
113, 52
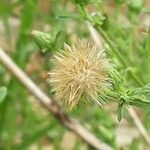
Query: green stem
107, 40
110, 43
118, 54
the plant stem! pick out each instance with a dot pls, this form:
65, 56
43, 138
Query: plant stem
109, 42
86, 16
51, 105
118, 54
131, 111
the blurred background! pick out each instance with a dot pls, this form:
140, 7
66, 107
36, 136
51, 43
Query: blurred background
24, 125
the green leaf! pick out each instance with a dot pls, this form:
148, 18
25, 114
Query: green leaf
141, 91
81, 2
45, 41
140, 103
135, 5
106, 133
3, 93
97, 18
119, 1
120, 110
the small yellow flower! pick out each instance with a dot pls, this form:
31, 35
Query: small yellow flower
80, 72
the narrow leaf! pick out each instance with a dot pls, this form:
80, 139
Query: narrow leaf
120, 110
3, 93
43, 40
140, 103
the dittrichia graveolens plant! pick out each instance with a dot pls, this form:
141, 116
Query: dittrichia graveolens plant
83, 73
80, 73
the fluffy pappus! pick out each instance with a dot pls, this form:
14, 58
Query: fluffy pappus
79, 72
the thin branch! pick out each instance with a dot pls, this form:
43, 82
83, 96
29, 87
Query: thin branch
51, 105
131, 111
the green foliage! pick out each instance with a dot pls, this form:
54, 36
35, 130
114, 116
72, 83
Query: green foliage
120, 110
81, 2
46, 42
126, 41
135, 5
119, 1
3, 93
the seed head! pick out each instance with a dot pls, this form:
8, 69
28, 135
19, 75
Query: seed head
80, 72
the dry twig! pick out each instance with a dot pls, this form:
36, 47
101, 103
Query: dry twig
51, 105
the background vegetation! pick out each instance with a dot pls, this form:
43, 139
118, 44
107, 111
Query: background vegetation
23, 123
